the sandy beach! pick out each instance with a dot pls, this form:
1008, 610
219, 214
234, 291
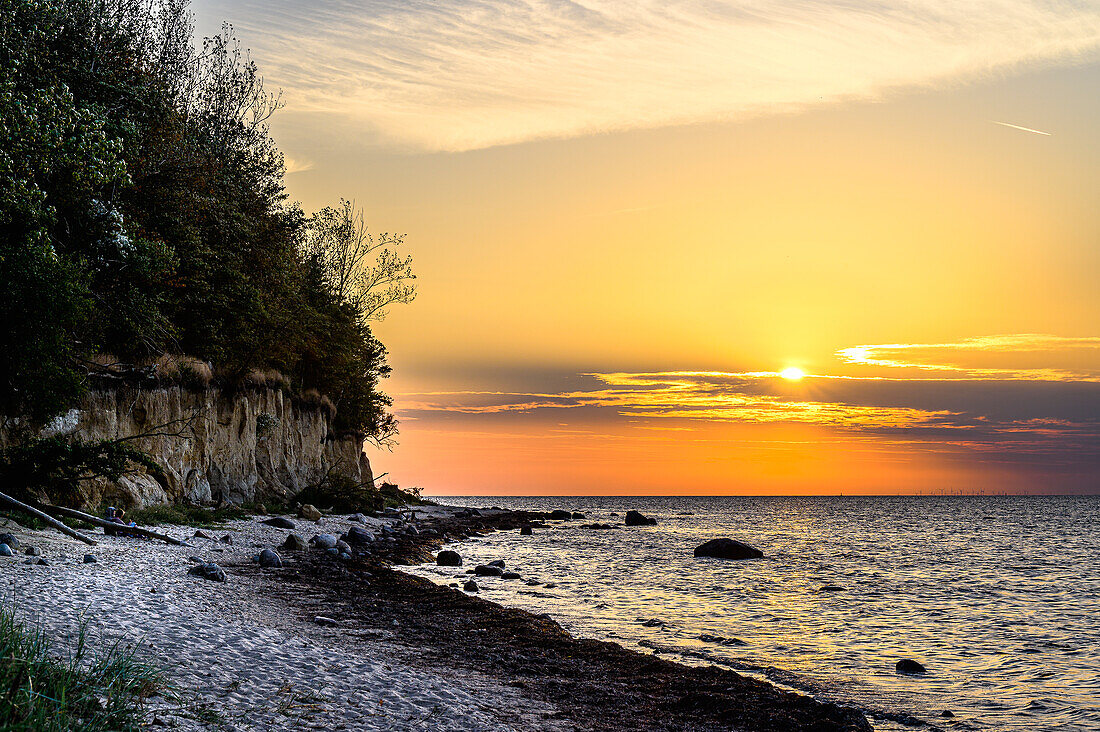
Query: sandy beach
258, 652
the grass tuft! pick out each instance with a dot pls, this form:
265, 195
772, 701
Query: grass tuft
85, 692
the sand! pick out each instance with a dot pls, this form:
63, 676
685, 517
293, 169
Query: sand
237, 659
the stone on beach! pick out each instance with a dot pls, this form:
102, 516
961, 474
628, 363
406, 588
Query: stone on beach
324, 541
448, 558
343, 546
726, 548
90, 559
326, 622
470, 586
294, 543
5, 550
633, 518
10, 540
269, 558
309, 512
200, 534
208, 570
280, 522
358, 536
909, 667
33, 551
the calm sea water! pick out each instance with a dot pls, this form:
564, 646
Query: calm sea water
998, 597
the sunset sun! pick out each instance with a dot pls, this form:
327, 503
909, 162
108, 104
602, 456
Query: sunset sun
792, 373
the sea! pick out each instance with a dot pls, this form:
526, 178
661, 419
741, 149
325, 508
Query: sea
998, 597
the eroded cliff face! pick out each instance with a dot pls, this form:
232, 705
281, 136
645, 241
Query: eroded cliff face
215, 447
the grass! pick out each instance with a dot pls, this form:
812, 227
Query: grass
85, 692
196, 516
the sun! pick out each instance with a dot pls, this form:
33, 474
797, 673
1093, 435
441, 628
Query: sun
792, 373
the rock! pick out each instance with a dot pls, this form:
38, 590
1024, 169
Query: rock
227, 539
532, 583
510, 575
5, 550
578, 515
90, 559
448, 558
412, 531
333, 552
633, 518
309, 512
484, 570
470, 586
496, 563
708, 638
358, 518
560, 515
343, 546
43, 562
830, 588
200, 534
345, 556
279, 522
10, 540
261, 509
324, 541
358, 536
33, 551
326, 622
209, 571
526, 531
947, 714
727, 549
294, 543
909, 666
598, 526
268, 558
195, 560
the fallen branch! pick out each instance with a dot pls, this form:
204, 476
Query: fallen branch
48, 519
113, 526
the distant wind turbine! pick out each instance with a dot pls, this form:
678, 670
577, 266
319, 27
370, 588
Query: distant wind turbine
1018, 127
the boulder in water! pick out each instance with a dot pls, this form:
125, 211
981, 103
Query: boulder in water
560, 515
909, 667
484, 570
470, 586
578, 515
727, 549
448, 558
633, 518
526, 531
497, 563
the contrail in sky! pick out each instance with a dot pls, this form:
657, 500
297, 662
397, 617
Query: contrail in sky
1018, 127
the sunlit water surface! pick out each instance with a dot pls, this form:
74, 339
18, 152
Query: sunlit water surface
998, 597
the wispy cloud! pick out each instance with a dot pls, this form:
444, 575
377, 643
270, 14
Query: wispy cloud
1026, 356
476, 73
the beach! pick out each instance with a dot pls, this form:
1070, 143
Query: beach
325, 643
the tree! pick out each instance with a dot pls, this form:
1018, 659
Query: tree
362, 271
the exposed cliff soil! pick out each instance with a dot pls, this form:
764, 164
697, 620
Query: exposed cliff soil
594, 685
214, 446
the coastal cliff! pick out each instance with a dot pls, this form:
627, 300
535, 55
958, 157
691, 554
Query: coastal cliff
214, 446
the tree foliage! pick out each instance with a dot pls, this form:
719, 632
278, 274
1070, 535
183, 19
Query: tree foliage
142, 211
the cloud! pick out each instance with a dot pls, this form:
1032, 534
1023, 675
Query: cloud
477, 73
1023, 413
1055, 358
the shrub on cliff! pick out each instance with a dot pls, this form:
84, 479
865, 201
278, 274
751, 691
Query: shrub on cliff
142, 211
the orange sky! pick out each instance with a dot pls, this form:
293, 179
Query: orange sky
625, 221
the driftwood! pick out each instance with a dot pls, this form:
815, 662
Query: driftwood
48, 519
111, 525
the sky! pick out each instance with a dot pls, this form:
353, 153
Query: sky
707, 247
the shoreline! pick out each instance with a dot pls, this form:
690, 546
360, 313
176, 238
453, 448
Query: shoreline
325, 643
